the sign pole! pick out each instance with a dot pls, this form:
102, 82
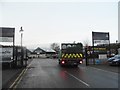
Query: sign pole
93, 47
13, 49
109, 44
86, 56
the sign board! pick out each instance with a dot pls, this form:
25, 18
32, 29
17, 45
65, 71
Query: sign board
102, 56
101, 41
119, 21
100, 35
6, 39
7, 32
6, 52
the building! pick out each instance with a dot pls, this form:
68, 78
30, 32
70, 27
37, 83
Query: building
43, 53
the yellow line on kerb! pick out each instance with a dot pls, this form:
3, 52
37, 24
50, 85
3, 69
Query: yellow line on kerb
18, 79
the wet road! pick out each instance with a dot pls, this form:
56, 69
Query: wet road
46, 73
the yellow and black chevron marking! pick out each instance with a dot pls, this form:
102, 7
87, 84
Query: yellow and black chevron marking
77, 55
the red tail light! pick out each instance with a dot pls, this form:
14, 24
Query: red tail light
81, 62
63, 62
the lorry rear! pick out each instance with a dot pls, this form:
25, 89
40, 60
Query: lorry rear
71, 54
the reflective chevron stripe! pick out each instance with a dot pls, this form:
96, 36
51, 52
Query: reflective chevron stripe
72, 55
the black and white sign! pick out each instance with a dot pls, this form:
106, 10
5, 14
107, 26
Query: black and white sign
6, 39
100, 35
6, 52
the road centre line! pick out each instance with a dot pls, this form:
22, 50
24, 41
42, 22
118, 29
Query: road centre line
78, 79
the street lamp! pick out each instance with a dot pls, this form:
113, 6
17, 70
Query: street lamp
21, 31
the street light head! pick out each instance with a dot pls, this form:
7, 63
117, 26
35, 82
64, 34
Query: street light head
21, 30
116, 41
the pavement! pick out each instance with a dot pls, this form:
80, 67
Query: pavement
103, 64
10, 74
115, 69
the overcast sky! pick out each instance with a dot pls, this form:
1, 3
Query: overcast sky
47, 22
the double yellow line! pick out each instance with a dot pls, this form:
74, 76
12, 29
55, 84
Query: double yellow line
18, 79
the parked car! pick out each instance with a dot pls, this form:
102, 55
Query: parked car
110, 59
114, 60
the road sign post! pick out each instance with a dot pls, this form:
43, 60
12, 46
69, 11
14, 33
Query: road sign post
86, 56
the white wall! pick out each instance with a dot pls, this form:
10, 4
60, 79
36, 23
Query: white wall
119, 21
119, 51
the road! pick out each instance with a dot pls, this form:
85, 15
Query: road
46, 73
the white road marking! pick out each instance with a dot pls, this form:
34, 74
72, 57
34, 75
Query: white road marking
78, 79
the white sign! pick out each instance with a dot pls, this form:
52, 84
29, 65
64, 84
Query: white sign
101, 41
102, 56
6, 52
119, 51
6, 39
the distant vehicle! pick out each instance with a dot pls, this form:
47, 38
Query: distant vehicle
71, 54
114, 60
55, 56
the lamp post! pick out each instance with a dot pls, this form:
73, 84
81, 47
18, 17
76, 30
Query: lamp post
21, 31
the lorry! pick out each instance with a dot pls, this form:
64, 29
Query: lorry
71, 54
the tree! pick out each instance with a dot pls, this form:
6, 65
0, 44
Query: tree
55, 46
86, 43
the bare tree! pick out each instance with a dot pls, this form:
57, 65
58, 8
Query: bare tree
55, 46
86, 42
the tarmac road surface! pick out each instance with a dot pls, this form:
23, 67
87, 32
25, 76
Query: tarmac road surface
46, 73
